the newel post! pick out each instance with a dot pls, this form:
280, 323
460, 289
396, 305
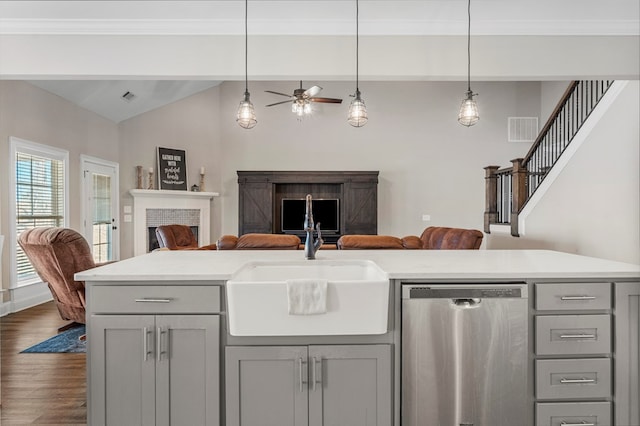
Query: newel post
491, 197
518, 191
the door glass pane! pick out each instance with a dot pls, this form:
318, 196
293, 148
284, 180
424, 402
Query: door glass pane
102, 231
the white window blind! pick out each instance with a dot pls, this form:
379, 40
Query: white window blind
40, 200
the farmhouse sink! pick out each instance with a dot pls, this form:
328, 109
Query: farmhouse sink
357, 299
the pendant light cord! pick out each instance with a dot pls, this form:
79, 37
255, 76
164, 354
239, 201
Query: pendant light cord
246, 47
469, 45
357, 46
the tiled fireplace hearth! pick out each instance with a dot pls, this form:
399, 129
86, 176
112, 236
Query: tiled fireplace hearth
152, 208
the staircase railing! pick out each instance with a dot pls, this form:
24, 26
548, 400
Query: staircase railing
509, 189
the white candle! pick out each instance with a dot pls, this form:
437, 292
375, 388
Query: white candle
202, 170
150, 169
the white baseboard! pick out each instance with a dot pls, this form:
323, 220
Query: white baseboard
25, 297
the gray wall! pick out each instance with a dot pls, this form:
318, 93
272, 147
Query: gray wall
29, 113
428, 163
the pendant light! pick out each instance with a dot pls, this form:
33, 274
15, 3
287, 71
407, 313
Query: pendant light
357, 110
468, 115
246, 117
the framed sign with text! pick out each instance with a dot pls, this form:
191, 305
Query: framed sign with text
172, 169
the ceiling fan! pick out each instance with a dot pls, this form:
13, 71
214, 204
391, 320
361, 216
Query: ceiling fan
301, 99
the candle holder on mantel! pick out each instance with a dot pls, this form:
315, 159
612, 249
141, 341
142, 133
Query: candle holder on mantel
139, 175
201, 182
150, 179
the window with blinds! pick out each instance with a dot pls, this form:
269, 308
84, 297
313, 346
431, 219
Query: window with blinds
40, 200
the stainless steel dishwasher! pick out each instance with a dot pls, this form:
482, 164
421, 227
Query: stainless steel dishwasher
464, 355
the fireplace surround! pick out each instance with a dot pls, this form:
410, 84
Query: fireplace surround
152, 208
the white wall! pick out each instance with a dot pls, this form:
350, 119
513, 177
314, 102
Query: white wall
593, 207
30, 113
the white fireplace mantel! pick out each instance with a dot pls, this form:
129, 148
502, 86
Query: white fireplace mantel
144, 199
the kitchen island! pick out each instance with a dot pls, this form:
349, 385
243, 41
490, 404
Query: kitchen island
159, 350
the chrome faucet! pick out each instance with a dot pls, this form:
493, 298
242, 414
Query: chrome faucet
310, 246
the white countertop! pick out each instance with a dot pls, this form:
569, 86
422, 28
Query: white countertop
202, 265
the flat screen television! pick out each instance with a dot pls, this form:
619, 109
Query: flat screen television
326, 211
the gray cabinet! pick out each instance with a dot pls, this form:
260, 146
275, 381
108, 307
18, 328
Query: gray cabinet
627, 344
573, 366
149, 368
308, 385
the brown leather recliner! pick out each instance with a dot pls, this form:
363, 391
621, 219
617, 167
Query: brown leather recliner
179, 237
365, 242
259, 242
57, 254
442, 238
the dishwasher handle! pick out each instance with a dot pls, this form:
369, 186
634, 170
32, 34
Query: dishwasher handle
468, 292
466, 303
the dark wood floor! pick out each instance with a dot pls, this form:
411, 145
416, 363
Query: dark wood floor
42, 389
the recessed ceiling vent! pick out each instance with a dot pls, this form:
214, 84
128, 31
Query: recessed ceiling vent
128, 96
523, 129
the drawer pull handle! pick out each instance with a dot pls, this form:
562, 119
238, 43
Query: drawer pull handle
577, 298
570, 381
577, 336
153, 300
583, 423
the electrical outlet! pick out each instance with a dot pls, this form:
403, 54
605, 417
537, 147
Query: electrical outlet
426, 217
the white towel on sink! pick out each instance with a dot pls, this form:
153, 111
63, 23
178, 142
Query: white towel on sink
307, 296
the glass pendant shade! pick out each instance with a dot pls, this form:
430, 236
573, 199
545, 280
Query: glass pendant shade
246, 114
468, 115
301, 108
357, 112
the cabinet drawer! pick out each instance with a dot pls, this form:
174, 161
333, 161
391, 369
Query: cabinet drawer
573, 414
573, 334
573, 378
143, 299
573, 296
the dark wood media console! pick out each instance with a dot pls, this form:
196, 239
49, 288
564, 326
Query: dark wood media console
260, 195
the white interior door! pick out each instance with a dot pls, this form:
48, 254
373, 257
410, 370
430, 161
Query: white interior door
100, 207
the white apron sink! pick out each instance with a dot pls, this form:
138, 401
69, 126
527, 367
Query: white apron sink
357, 299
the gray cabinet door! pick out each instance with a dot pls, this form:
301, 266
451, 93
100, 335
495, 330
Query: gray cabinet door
627, 344
187, 370
121, 370
266, 386
350, 385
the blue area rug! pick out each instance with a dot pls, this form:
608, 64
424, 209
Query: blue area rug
67, 341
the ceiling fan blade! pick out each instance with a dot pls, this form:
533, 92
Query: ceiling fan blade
312, 91
278, 103
278, 93
326, 100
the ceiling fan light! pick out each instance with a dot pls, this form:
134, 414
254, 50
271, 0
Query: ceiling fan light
468, 115
357, 112
246, 117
